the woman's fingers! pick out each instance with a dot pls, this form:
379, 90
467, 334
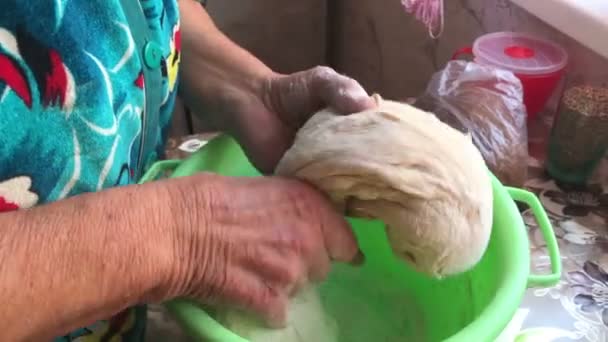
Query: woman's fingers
339, 239
297, 96
265, 239
342, 93
249, 292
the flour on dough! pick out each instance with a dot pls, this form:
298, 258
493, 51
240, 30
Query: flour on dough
425, 180
307, 322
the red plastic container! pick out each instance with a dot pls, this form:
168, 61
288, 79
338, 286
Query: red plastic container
538, 63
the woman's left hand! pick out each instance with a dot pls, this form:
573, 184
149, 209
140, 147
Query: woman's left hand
265, 125
235, 92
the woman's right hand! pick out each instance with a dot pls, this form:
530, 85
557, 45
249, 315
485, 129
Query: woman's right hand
250, 243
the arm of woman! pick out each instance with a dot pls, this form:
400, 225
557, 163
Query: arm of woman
67, 264
242, 243
238, 94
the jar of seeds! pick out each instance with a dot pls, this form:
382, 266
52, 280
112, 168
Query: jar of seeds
579, 137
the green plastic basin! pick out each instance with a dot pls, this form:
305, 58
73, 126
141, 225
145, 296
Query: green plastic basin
385, 300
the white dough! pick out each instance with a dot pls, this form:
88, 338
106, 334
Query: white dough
425, 180
307, 322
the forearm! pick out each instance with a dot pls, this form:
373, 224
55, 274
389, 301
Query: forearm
70, 263
215, 71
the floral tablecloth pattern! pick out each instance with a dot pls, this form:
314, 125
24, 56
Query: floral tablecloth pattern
574, 310
577, 308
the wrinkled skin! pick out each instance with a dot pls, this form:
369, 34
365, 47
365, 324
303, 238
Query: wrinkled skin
264, 236
268, 236
291, 100
265, 122
254, 255
247, 243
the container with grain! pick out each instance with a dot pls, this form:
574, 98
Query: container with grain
579, 137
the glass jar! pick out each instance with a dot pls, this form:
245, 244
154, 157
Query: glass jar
579, 136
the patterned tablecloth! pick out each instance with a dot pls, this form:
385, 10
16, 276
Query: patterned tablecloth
574, 310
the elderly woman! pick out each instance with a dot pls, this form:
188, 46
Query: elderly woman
87, 88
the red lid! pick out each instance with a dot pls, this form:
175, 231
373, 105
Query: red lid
520, 53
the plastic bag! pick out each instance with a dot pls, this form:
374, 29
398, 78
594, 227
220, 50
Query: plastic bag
488, 104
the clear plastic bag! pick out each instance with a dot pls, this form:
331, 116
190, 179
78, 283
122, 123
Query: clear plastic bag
488, 104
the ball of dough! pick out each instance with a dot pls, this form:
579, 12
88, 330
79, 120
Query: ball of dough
307, 321
425, 180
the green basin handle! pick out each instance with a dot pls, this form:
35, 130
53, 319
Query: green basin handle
159, 167
542, 280
198, 324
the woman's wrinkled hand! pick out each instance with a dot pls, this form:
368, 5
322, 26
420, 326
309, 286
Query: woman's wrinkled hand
259, 240
233, 91
265, 124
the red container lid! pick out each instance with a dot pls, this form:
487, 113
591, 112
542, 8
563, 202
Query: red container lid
520, 53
